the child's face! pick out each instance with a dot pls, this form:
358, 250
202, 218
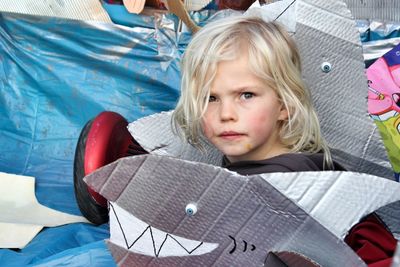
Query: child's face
242, 114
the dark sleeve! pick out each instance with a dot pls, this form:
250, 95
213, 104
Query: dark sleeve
372, 242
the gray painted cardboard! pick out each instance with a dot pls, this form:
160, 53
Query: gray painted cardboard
156, 190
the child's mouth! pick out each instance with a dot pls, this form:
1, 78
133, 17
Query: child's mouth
230, 135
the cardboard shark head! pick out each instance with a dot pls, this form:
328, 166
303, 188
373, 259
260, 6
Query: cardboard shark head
171, 212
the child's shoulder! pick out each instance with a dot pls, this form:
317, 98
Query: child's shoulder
305, 162
297, 162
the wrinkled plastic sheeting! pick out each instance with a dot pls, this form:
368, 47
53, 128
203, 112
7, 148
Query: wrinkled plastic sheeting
57, 74
378, 38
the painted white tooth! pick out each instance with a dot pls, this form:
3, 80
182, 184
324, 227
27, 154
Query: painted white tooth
119, 218
139, 237
187, 246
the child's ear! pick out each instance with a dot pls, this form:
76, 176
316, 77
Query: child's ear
284, 114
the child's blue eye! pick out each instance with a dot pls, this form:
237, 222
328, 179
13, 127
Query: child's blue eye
247, 95
212, 99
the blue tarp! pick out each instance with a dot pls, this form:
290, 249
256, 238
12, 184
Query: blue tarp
57, 74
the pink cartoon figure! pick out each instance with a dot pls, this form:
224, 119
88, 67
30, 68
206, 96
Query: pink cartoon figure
384, 102
384, 85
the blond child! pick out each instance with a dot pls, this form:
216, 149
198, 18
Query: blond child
242, 90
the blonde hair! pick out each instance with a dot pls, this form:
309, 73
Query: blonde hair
273, 57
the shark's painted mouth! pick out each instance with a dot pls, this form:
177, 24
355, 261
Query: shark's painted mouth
131, 233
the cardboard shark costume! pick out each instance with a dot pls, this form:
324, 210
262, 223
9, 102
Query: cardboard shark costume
176, 208
169, 212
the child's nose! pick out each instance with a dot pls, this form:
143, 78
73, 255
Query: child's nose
228, 111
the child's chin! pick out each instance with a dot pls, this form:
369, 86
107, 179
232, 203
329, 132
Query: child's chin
235, 156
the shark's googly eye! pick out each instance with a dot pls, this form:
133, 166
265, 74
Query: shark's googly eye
191, 209
326, 67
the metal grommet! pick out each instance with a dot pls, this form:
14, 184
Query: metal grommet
191, 209
326, 67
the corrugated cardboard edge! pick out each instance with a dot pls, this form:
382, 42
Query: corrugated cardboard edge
69, 9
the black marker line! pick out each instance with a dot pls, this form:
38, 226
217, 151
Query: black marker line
119, 223
162, 244
156, 253
234, 245
285, 10
154, 243
190, 252
133, 243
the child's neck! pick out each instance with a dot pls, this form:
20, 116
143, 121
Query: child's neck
276, 151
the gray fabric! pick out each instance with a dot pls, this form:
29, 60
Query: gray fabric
156, 189
390, 215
